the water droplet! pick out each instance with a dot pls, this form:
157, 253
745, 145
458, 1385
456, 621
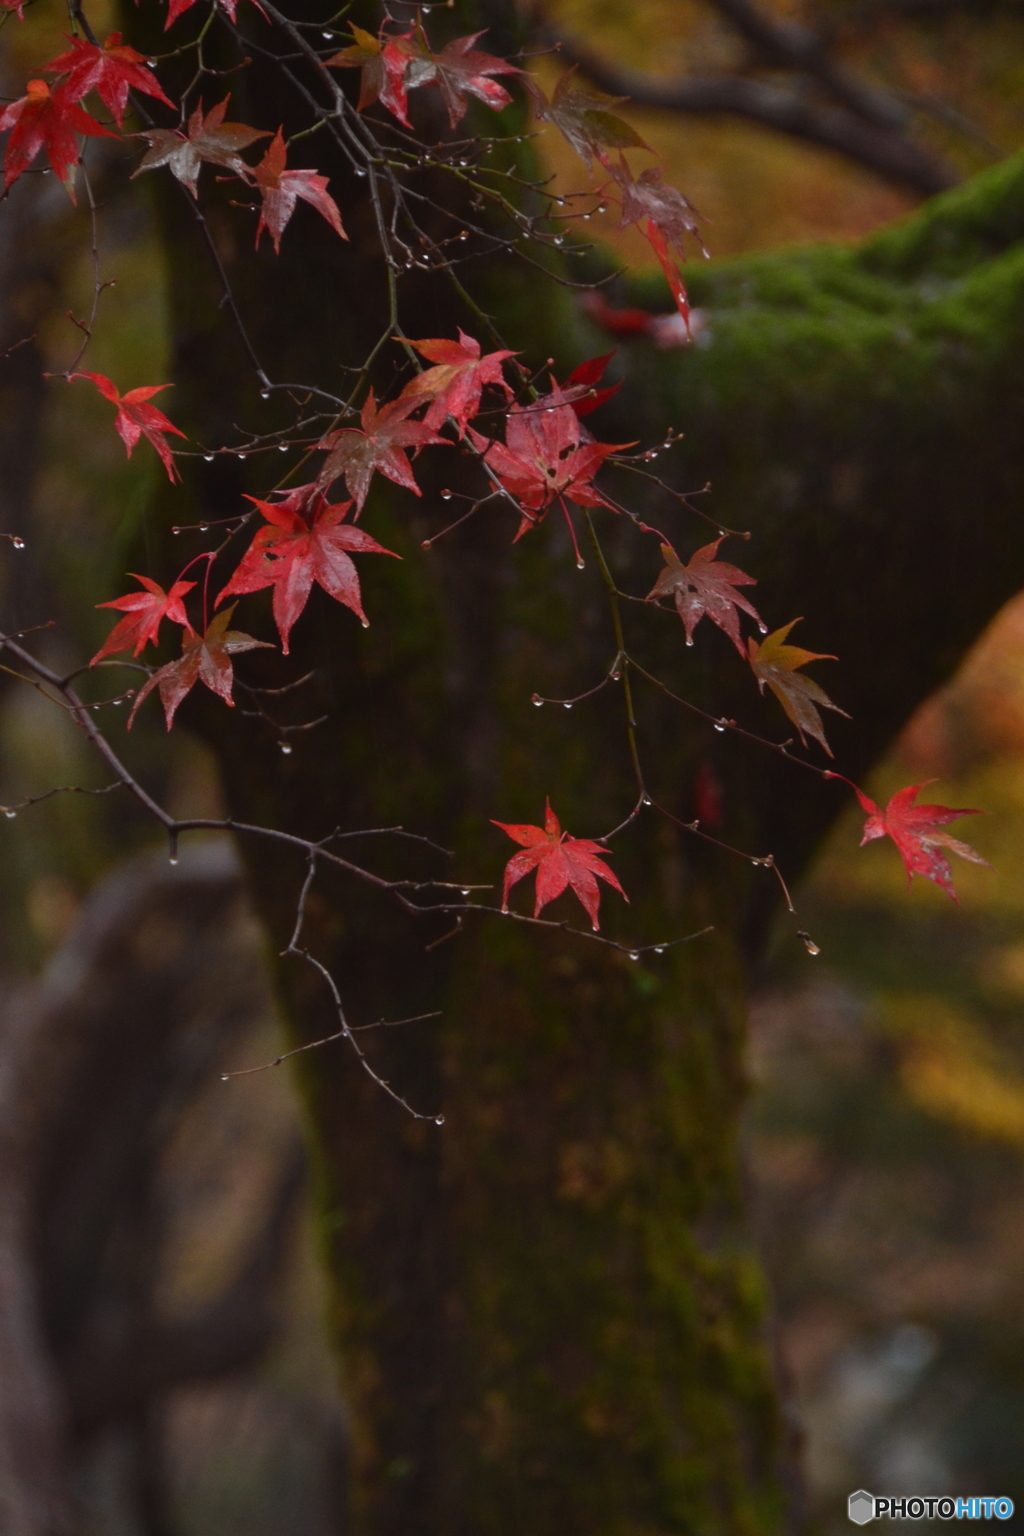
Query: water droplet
366, 623
580, 564
719, 726
536, 699
116, 702
465, 893
567, 704
209, 457
10, 814
659, 949
616, 677
653, 453
359, 171
446, 495
809, 944
645, 800
240, 454
18, 543
282, 447
439, 1119
173, 859
175, 530
689, 639
264, 394
559, 239
722, 533
286, 747
633, 955
225, 1077
586, 215
328, 35
204, 527
763, 628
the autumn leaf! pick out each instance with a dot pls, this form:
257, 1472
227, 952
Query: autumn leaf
135, 418
580, 388
383, 67
379, 445
560, 861
706, 585
776, 663
204, 658
460, 70
50, 120
209, 139
143, 614
454, 385
17, 6
178, 8
664, 216
544, 458
914, 830
112, 71
280, 190
302, 542
583, 117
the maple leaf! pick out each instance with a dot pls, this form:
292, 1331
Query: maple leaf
46, 119
775, 663
281, 189
383, 67
379, 445
209, 138
460, 69
143, 614
135, 418
583, 118
706, 585
560, 861
302, 542
455, 384
914, 830
14, 5
112, 71
664, 216
204, 658
178, 8
579, 388
544, 458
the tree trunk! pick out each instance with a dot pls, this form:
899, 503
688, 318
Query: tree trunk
548, 1311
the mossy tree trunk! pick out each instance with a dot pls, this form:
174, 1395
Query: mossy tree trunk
547, 1311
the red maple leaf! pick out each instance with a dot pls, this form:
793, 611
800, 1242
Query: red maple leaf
379, 445
706, 586
112, 71
459, 69
46, 119
383, 66
914, 830
776, 663
664, 216
560, 860
209, 139
143, 614
281, 189
303, 541
135, 418
204, 658
545, 459
178, 8
579, 389
455, 384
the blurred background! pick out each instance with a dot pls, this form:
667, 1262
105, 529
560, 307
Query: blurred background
886, 1125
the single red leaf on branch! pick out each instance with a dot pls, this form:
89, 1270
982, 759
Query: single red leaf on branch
135, 418
112, 71
457, 381
915, 831
281, 189
303, 541
50, 120
561, 861
143, 614
209, 139
776, 664
706, 585
205, 659
380, 445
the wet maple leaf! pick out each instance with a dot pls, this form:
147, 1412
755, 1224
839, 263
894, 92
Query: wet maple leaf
112, 71
50, 120
776, 663
281, 189
583, 118
205, 659
706, 585
560, 861
379, 445
209, 139
915, 831
456, 382
664, 216
303, 541
383, 67
544, 458
143, 612
580, 388
136, 418
460, 70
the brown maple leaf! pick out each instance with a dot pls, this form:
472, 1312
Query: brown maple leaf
561, 861
209, 139
776, 663
379, 445
205, 659
281, 189
914, 830
706, 585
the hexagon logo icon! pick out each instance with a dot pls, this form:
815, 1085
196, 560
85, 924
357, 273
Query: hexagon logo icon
861, 1507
